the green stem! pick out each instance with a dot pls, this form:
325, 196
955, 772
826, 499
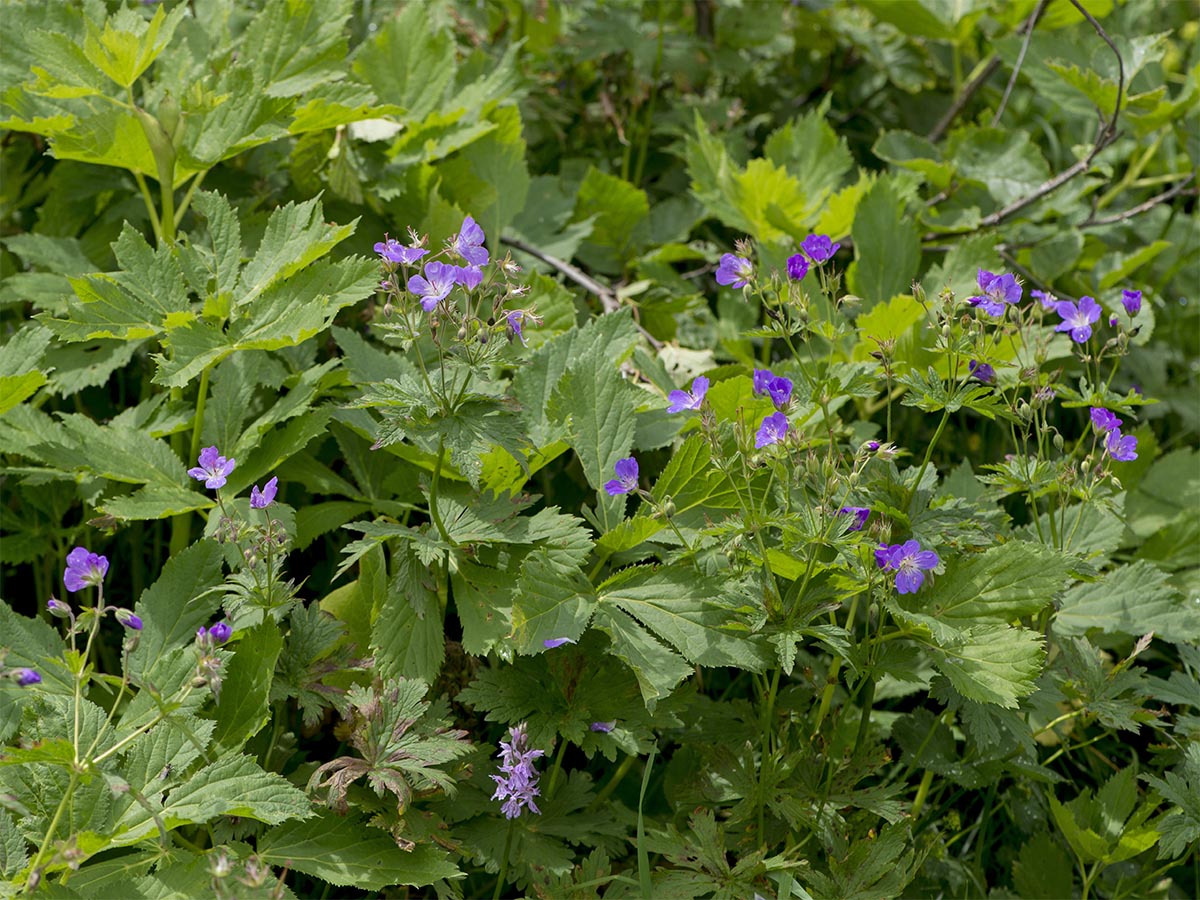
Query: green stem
198, 419
187, 198
504, 862
62, 805
622, 770
929, 454
433, 494
557, 767
922, 793
148, 199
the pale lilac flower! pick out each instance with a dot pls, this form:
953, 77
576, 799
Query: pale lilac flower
906, 560
554, 643
468, 276
1132, 301
435, 286
129, 620
213, 469
84, 569
981, 371
395, 252
995, 292
774, 429
1122, 448
797, 266
819, 248
604, 727
1078, 319
684, 400
517, 783
1104, 420
627, 477
860, 513
264, 498
734, 271
468, 243
1049, 301
26, 677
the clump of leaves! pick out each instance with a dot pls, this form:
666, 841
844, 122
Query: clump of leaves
400, 739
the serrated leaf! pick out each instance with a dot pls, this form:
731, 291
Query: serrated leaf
408, 62
886, 245
1180, 828
129, 44
243, 707
658, 668
1131, 600
408, 635
553, 599
617, 211
294, 45
991, 663
235, 786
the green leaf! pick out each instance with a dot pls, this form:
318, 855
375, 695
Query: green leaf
1005, 161
223, 255
911, 151
235, 786
1132, 600
12, 846
408, 61
243, 707
345, 852
887, 245
553, 599
618, 212
1180, 828
484, 599
408, 636
129, 44
812, 153
991, 663
154, 502
658, 668
1042, 870
15, 389
294, 45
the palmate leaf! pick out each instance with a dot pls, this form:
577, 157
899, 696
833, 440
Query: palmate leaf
128, 44
1180, 827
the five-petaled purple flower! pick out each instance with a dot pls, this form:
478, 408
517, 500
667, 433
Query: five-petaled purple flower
860, 513
774, 429
603, 727
1078, 319
264, 498
1132, 301
26, 677
553, 643
1104, 420
684, 400
627, 477
819, 248
437, 284
129, 620
517, 783
906, 560
468, 276
981, 371
797, 266
395, 252
734, 271
995, 292
1122, 448
468, 243
84, 569
1049, 301
213, 469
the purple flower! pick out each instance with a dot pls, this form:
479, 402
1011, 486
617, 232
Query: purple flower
797, 266
604, 727
780, 391
860, 513
1113, 320
981, 371
762, 377
1122, 448
818, 248
468, 276
995, 292
58, 609
1078, 319
553, 643
516, 324
774, 429
220, 633
734, 271
264, 498
683, 400
871, 446
627, 477
213, 469
84, 569
1132, 301
26, 677
517, 783
437, 284
468, 243
395, 252
1103, 419
129, 620
906, 560
1049, 301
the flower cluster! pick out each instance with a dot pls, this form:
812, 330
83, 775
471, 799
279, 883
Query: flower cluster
907, 560
517, 783
1121, 447
737, 271
778, 388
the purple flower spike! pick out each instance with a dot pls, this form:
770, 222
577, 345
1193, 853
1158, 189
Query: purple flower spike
762, 378
1122, 448
1132, 301
734, 271
1078, 319
906, 560
84, 569
819, 248
1048, 300
981, 371
860, 513
797, 267
213, 469
435, 286
129, 620
604, 727
1103, 420
468, 243
264, 498
553, 643
627, 477
517, 783
395, 252
780, 391
995, 292
684, 400
26, 677
774, 429
469, 277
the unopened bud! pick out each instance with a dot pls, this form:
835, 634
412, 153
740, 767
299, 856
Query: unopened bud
58, 609
462, 333
669, 508
1058, 442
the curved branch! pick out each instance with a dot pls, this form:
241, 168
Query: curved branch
1171, 193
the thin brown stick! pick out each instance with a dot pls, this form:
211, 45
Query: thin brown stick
1030, 25
1177, 190
968, 91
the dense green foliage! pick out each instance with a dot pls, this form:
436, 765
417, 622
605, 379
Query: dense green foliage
915, 612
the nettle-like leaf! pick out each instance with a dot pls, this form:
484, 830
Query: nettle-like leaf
1180, 827
312, 651
1106, 828
400, 741
1115, 696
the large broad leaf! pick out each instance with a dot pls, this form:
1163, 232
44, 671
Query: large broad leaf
1005, 161
294, 45
408, 636
235, 786
408, 62
618, 212
1132, 600
554, 599
346, 852
657, 667
244, 703
991, 663
887, 245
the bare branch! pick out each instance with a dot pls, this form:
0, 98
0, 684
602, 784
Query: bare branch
1030, 25
963, 99
1171, 193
